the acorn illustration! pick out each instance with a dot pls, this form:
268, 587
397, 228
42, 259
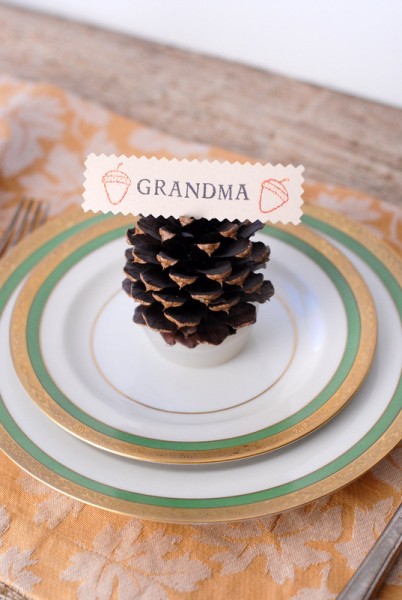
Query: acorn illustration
116, 184
273, 195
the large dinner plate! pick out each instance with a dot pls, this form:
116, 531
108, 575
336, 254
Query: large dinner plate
90, 369
344, 448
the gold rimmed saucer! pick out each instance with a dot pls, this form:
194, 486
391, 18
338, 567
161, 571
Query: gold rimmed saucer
105, 417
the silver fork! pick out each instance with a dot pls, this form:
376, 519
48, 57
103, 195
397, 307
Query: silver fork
371, 574
28, 215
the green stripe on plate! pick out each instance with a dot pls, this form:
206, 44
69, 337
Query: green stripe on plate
301, 483
342, 461
368, 257
33, 259
35, 354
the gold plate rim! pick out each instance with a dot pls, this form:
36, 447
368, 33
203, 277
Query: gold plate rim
295, 499
343, 394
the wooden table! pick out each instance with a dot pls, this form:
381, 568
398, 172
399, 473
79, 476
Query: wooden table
340, 139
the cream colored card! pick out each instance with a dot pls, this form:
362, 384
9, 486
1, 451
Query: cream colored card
221, 190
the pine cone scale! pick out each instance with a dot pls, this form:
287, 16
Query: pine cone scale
194, 279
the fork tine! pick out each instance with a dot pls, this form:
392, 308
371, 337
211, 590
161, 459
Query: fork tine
9, 232
45, 214
37, 218
22, 227
29, 215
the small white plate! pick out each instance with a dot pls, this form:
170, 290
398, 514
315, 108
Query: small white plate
95, 373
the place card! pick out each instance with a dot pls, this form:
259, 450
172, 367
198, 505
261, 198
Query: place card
211, 189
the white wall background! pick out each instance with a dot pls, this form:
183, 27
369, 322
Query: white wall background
351, 45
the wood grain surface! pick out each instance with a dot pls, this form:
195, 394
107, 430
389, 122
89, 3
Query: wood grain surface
340, 139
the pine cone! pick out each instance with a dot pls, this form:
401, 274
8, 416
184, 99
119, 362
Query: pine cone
194, 279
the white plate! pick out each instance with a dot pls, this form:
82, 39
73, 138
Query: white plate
360, 435
96, 374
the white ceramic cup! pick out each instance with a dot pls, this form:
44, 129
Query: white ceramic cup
203, 355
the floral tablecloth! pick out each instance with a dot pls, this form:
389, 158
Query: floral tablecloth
54, 547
